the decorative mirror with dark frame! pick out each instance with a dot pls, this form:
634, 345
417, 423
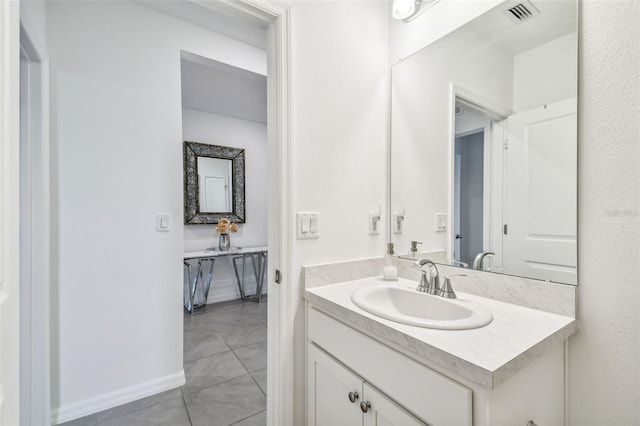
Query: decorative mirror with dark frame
212, 195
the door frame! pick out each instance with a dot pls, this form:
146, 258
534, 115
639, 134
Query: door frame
280, 332
9, 212
35, 399
496, 113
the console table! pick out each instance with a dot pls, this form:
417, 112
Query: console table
256, 256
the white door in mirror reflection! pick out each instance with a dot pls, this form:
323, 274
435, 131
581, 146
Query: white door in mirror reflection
540, 191
215, 194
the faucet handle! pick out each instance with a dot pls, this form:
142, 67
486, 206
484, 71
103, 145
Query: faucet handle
425, 282
447, 290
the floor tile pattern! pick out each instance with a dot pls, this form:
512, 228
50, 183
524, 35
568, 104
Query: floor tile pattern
225, 360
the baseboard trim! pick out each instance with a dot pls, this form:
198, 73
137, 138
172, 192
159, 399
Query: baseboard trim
225, 290
114, 399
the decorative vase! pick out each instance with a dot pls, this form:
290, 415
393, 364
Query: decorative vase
224, 244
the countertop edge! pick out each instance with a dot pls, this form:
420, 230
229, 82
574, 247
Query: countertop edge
480, 376
506, 371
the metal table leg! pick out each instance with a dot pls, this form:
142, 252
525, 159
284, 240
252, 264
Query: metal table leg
199, 277
207, 284
259, 272
188, 302
258, 262
239, 280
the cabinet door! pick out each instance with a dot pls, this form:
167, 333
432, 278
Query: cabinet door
329, 385
381, 411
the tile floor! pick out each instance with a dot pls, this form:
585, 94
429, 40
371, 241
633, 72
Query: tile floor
225, 360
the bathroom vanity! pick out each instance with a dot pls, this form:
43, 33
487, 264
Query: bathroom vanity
364, 369
483, 145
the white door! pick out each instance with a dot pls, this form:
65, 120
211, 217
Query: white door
216, 194
382, 411
331, 389
540, 193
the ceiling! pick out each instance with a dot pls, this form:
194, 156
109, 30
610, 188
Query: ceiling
556, 18
201, 14
215, 87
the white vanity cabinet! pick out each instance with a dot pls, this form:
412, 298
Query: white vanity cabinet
401, 389
338, 396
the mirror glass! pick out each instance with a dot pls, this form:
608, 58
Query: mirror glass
484, 142
213, 183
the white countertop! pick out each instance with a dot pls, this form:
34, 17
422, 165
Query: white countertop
215, 253
487, 356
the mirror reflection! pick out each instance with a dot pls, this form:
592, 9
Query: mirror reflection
484, 142
215, 185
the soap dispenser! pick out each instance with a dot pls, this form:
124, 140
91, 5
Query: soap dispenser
414, 249
390, 272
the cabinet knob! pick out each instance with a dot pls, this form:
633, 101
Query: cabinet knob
353, 396
364, 406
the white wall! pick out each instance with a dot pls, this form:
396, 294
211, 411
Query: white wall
205, 127
546, 74
340, 100
604, 375
32, 14
441, 18
116, 136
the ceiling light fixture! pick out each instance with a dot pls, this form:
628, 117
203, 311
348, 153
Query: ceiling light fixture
408, 10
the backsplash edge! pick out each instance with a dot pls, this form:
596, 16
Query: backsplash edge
541, 295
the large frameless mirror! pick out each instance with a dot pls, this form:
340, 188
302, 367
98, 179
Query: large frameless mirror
484, 142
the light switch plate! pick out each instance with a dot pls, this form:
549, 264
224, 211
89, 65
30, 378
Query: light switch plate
374, 222
307, 225
163, 223
398, 220
441, 222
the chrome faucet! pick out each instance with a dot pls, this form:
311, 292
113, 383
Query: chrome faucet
430, 284
477, 262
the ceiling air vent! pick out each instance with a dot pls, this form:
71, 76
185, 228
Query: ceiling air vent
522, 11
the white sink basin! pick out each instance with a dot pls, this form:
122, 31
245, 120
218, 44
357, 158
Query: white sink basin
408, 306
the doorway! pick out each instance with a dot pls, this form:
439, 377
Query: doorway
476, 181
224, 128
276, 17
469, 196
